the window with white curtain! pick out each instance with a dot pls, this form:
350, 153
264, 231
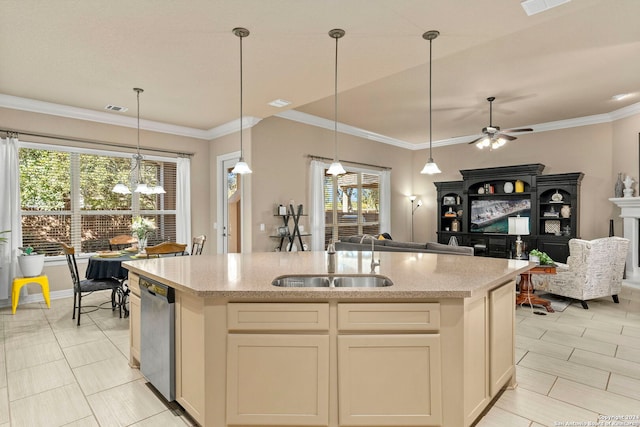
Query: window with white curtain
66, 197
351, 204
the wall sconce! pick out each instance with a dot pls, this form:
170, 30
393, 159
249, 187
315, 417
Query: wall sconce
414, 205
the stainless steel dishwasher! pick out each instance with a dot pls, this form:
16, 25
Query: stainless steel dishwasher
157, 331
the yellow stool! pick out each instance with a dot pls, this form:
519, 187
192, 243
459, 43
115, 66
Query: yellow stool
19, 282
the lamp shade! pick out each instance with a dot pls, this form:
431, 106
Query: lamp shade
519, 225
336, 169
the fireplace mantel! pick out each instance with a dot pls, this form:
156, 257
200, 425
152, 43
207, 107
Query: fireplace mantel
630, 214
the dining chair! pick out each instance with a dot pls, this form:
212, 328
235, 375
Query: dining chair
166, 248
197, 244
120, 241
88, 286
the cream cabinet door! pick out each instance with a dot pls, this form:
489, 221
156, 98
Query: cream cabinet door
389, 380
134, 320
275, 379
502, 305
134, 331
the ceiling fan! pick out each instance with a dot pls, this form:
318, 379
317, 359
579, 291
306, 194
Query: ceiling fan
492, 136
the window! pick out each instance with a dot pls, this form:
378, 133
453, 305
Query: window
351, 204
66, 197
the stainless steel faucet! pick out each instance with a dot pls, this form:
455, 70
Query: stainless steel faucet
331, 257
374, 264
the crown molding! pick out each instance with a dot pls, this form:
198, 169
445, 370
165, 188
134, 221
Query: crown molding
42, 107
232, 127
309, 119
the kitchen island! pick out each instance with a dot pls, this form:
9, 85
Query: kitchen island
433, 349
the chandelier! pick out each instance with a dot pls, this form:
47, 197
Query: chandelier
140, 185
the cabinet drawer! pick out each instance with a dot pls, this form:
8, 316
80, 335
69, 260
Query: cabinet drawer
278, 317
389, 317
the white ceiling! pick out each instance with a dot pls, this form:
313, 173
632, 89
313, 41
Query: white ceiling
561, 64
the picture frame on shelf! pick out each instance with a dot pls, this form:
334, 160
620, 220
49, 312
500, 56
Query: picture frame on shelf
449, 200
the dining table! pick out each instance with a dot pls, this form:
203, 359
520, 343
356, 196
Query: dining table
109, 266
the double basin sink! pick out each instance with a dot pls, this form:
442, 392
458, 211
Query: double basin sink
332, 281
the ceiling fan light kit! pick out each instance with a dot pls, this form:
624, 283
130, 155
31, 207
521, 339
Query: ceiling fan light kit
493, 137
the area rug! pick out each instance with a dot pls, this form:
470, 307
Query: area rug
558, 303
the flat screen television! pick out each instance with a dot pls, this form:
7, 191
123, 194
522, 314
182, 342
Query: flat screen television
490, 215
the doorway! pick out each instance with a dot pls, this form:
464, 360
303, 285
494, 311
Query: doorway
229, 205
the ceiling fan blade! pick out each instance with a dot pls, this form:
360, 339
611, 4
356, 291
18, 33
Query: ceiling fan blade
505, 136
518, 130
478, 139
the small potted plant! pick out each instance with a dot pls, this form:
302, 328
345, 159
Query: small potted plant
141, 227
540, 257
31, 263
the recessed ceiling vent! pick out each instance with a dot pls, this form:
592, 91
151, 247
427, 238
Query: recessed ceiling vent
531, 7
116, 108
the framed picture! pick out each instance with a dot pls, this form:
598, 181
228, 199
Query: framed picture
448, 200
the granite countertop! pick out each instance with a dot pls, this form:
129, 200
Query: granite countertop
248, 276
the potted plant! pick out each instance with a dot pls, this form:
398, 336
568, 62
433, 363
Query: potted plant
4, 239
31, 263
141, 227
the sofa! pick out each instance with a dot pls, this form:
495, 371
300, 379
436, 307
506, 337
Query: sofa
352, 243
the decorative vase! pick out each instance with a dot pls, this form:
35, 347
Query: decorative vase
31, 265
619, 186
519, 186
142, 244
565, 211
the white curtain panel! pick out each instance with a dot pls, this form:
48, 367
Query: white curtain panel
316, 201
183, 201
9, 213
385, 202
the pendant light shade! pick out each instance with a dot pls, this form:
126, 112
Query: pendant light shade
430, 167
336, 168
241, 167
141, 186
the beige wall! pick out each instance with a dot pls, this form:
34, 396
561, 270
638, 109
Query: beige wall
82, 129
276, 150
586, 149
281, 172
626, 143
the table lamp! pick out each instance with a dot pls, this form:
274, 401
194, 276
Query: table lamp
519, 226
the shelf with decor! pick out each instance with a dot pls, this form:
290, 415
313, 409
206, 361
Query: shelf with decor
490, 196
450, 208
288, 235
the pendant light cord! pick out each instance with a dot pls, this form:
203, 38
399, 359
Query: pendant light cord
138, 156
335, 106
241, 152
430, 109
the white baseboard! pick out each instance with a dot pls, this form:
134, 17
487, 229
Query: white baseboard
66, 293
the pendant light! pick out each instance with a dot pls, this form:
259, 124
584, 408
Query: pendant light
336, 168
241, 167
430, 167
141, 187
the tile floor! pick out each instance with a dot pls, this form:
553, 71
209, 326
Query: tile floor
573, 367
53, 373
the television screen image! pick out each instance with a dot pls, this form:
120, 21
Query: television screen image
491, 216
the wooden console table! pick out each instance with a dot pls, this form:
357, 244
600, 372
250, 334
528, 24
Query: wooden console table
526, 295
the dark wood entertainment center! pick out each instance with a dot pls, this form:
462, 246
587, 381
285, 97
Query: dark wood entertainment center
475, 210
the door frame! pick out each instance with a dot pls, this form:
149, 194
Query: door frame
221, 199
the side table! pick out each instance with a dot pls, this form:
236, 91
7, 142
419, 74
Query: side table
526, 296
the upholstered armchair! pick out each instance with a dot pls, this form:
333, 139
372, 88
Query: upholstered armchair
594, 269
